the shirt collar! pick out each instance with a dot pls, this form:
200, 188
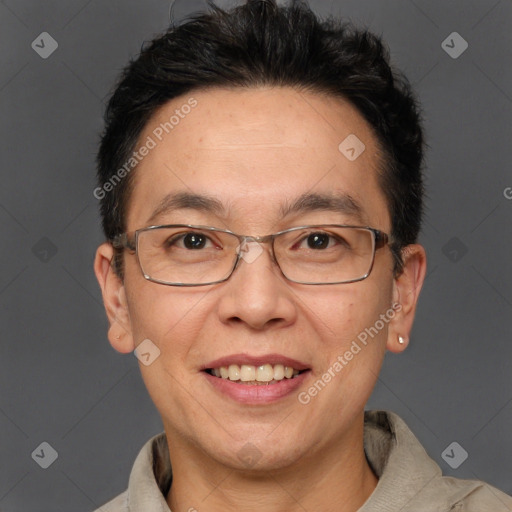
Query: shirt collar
399, 461
395, 455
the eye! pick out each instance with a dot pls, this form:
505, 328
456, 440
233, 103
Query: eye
318, 240
321, 240
190, 240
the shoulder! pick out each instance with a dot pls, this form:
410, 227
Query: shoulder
410, 481
118, 504
459, 495
149, 482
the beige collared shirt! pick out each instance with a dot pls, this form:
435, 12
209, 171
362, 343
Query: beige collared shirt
409, 480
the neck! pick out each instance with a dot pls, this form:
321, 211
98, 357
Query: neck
334, 478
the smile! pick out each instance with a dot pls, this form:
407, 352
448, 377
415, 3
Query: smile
254, 375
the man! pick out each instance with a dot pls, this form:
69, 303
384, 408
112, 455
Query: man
261, 188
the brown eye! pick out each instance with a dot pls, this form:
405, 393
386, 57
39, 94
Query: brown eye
318, 240
194, 241
190, 240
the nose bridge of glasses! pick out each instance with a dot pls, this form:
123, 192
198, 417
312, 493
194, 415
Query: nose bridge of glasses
259, 239
250, 247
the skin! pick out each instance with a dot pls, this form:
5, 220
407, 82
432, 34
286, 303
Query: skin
254, 149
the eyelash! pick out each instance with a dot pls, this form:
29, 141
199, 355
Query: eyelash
181, 236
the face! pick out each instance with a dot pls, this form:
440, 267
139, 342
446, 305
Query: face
256, 151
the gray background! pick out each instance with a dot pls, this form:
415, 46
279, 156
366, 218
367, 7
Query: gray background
60, 380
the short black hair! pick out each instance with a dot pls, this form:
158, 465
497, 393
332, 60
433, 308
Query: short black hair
262, 44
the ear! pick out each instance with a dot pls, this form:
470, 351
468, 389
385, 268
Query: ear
406, 290
114, 299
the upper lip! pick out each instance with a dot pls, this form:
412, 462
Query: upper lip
240, 359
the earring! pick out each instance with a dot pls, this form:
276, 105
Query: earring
118, 336
401, 340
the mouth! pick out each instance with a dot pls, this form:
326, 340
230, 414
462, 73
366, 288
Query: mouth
252, 375
256, 380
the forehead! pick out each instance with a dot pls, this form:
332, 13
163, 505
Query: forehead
257, 151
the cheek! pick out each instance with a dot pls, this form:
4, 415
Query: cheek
342, 312
172, 319
352, 345
164, 314
352, 336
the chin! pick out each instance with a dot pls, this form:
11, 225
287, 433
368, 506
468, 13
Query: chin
255, 455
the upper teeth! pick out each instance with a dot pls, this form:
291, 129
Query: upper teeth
247, 372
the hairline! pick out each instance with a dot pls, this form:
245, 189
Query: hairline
383, 159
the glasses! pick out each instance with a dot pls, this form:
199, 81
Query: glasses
188, 255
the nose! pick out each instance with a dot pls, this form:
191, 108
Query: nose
257, 293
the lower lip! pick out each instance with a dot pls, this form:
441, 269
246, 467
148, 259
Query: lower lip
256, 394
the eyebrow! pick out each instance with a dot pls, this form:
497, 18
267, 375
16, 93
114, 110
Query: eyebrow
338, 203
184, 200
308, 202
